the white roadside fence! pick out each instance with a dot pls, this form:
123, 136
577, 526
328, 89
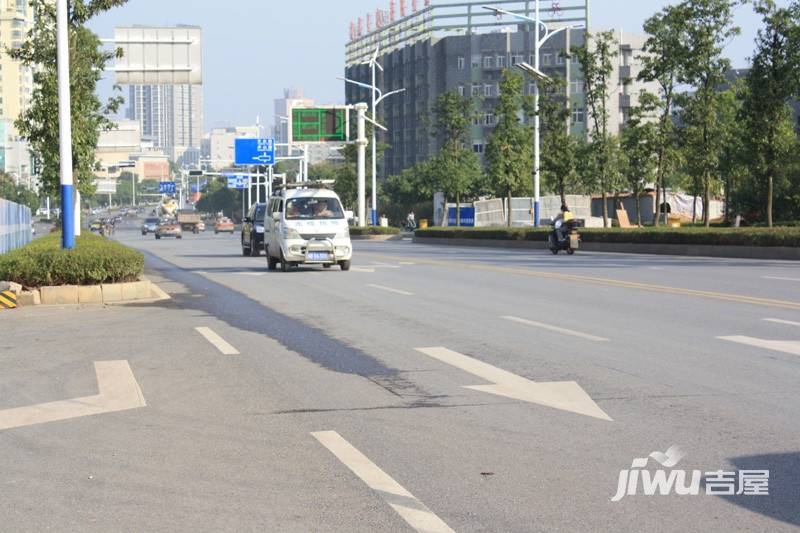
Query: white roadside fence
15, 226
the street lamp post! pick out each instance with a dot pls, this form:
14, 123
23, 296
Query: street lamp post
65, 128
537, 76
377, 98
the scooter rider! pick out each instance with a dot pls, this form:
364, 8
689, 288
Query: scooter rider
564, 217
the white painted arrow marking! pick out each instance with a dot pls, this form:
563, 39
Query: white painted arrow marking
563, 395
790, 347
118, 392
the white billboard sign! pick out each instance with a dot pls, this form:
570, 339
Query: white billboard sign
159, 56
106, 186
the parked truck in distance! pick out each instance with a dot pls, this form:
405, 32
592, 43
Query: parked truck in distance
190, 221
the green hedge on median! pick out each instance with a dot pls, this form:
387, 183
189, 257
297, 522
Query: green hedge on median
786, 236
373, 230
94, 260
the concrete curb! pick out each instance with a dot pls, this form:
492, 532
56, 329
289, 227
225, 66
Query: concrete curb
376, 237
689, 250
109, 293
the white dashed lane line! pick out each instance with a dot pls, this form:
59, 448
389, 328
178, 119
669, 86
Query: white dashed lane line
389, 289
571, 333
218, 342
410, 509
781, 321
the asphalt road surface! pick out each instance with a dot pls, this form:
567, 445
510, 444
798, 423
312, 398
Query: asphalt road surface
429, 389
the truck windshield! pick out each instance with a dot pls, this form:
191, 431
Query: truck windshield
313, 209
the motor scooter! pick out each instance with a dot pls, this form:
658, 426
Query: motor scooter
570, 240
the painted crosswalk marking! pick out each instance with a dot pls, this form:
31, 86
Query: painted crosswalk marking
413, 511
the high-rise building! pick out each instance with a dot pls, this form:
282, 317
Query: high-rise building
170, 115
16, 90
151, 106
464, 48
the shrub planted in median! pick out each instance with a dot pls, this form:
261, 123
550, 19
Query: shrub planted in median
94, 260
774, 237
373, 230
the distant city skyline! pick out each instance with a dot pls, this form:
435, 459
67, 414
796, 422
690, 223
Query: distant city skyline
253, 50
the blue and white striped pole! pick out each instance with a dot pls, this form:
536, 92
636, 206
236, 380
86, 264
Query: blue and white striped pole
65, 128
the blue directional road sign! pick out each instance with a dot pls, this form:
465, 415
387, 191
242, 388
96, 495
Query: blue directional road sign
255, 151
238, 181
167, 187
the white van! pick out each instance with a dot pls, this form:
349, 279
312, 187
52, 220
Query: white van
306, 226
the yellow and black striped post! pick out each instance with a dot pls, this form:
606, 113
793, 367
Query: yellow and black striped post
8, 300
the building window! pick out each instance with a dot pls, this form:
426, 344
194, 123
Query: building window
559, 58
488, 119
516, 60
501, 61
576, 87
460, 90
575, 59
476, 120
476, 90
461, 63
476, 61
477, 147
488, 62
578, 115
487, 90
547, 59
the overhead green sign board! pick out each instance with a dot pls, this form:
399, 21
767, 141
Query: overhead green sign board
320, 125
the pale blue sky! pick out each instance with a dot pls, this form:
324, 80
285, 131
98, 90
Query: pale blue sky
253, 49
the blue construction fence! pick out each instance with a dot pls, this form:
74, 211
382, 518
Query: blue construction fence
15, 226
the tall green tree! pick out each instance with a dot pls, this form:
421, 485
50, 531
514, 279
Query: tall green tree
772, 81
456, 168
597, 63
509, 154
39, 123
559, 148
709, 28
639, 143
664, 53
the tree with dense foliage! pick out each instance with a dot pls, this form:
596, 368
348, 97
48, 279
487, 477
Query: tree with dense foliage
709, 27
597, 64
39, 123
218, 198
509, 154
772, 81
559, 148
640, 149
456, 169
663, 55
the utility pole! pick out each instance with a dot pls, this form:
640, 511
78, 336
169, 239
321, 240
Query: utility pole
361, 142
65, 128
